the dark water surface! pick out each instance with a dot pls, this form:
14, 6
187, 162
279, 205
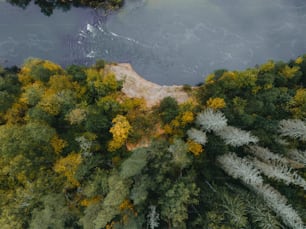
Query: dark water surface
29, 33
166, 41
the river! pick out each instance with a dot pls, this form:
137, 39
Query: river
166, 41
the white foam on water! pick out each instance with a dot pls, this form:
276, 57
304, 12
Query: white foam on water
91, 54
90, 28
211, 34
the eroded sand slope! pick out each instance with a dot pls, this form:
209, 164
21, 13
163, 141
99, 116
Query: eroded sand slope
136, 86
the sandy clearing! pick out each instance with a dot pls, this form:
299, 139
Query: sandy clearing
137, 87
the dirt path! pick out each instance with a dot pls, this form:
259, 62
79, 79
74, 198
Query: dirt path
136, 86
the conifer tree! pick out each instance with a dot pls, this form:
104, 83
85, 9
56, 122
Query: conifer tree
210, 120
293, 128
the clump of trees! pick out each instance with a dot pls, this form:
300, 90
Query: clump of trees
47, 7
75, 152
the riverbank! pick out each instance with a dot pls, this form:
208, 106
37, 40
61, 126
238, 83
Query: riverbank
135, 86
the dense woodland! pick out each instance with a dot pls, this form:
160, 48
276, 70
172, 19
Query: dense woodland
48, 6
75, 152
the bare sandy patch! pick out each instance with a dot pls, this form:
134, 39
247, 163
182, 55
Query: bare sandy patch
137, 87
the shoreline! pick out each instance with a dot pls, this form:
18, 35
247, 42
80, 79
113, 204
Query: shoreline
137, 87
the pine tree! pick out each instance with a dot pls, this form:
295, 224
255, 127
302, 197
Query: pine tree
279, 204
281, 172
243, 169
298, 155
293, 128
197, 135
236, 137
210, 120
235, 209
240, 168
266, 155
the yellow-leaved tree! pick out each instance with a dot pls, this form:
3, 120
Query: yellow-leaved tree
298, 103
215, 103
195, 147
299, 60
268, 66
50, 102
58, 144
120, 132
68, 166
289, 72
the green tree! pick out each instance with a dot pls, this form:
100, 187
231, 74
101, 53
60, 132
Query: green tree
53, 213
168, 109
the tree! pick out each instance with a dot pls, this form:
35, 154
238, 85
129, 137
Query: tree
50, 102
76, 116
195, 148
168, 109
298, 103
245, 170
293, 128
175, 202
153, 217
58, 144
68, 166
298, 155
280, 172
235, 210
77, 72
134, 164
236, 137
266, 155
5, 100
179, 151
48, 7
120, 131
215, 103
119, 190
197, 135
240, 168
210, 120
54, 213
290, 72
33, 93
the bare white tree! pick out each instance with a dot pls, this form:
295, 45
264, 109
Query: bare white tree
280, 172
266, 155
236, 137
293, 128
197, 136
244, 170
210, 120
298, 155
153, 217
279, 204
240, 168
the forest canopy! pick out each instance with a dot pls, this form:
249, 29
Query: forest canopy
76, 152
